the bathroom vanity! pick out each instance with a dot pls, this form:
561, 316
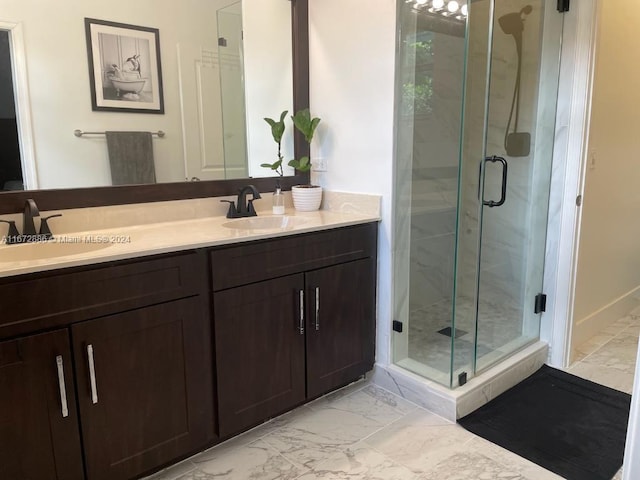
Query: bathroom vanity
120, 363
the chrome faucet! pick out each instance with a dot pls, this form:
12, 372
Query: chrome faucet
30, 211
244, 208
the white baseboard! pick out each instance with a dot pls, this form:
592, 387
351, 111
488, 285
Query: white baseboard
591, 325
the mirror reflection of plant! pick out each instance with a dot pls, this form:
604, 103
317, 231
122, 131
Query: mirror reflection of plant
277, 131
423, 52
416, 98
307, 126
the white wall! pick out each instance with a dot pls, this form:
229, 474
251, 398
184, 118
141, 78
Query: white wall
352, 54
609, 246
268, 80
56, 56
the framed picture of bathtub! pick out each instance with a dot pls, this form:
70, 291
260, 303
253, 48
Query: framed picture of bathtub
124, 67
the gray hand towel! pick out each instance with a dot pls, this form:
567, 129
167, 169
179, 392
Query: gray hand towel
131, 157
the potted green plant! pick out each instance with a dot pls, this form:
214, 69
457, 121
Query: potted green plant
277, 131
305, 197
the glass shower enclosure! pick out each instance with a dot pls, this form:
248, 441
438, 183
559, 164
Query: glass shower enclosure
477, 85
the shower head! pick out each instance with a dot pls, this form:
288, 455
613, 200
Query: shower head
513, 23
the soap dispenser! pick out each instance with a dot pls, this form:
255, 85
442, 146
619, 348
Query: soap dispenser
278, 200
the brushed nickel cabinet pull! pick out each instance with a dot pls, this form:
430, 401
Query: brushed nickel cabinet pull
92, 375
301, 324
317, 308
62, 386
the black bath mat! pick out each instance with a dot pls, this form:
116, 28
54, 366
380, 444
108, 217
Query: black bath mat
571, 426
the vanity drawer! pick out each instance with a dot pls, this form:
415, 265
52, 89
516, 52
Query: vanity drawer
40, 301
262, 260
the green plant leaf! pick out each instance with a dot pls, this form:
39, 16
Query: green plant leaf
312, 128
277, 128
272, 166
303, 122
302, 165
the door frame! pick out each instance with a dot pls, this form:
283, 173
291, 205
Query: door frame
567, 180
22, 103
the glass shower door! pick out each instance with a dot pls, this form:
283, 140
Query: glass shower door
506, 239
477, 87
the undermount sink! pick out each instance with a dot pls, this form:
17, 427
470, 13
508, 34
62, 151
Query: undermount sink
43, 250
280, 222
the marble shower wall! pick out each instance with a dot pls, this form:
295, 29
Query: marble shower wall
435, 168
506, 229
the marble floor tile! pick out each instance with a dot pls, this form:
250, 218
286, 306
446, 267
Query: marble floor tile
471, 466
341, 393
619, 354
256, 461
266, 428
609, 377
420, 440
359, 462
633, 329
174, 471
371, 401
512, 461
590, 346
310, 439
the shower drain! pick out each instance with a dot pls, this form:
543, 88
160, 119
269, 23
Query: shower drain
447, 332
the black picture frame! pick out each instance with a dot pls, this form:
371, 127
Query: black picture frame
125, 69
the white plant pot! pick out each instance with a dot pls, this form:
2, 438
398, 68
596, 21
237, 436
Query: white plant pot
306, 198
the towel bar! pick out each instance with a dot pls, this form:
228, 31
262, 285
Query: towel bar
80, 133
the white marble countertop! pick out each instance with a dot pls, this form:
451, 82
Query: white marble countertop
155, 238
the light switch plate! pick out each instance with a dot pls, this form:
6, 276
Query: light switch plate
319, 164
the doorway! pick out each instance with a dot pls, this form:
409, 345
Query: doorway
11, 177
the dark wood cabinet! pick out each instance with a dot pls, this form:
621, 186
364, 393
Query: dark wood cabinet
340, 324
144, 387
259, 340
134, 357
39, 436
141, 362
280, 341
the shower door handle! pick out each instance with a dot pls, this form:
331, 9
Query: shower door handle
503, 194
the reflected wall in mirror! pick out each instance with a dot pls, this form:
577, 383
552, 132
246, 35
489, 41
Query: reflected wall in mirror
226, 64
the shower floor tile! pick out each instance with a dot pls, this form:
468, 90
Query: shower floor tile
499, 325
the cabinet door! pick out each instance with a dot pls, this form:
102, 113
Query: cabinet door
340, 324
259, 351
39, 437
145, 387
